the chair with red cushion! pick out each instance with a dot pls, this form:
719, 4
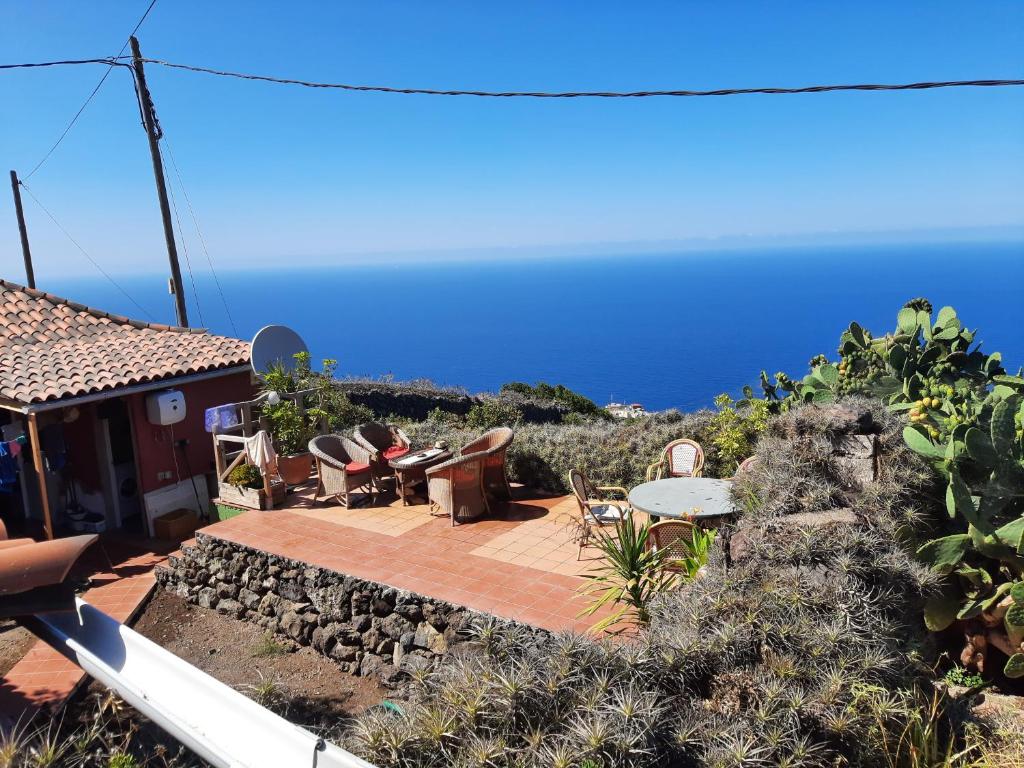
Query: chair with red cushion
342, 466
385, 444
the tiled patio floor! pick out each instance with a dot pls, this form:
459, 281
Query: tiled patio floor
520, 563
43, 678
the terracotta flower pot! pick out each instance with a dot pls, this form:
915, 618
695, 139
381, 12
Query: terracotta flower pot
295, 469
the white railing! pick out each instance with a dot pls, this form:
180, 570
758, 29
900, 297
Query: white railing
212, 719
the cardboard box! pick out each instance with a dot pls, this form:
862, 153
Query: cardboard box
176, 526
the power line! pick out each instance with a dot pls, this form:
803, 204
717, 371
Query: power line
597, 94
920, 86
85, 253
199, 232
110, 61
113, 63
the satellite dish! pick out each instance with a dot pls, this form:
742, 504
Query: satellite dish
275, 344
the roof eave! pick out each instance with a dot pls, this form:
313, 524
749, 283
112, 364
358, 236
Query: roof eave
164, 383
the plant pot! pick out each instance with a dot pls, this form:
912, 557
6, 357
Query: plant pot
295, 469
253, 498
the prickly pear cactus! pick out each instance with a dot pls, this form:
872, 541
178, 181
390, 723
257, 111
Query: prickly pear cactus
1014, 623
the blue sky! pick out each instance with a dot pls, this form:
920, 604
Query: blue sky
284, 175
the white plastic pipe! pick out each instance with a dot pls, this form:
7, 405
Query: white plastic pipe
212, 719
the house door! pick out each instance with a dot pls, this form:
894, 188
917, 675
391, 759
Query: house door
122, 475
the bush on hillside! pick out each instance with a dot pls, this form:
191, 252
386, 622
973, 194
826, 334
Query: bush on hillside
492, 413
573, 401
615, 452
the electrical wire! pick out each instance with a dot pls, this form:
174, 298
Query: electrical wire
594, 94
85, 253
113, 63
184, 248
110, 61
199, 232
918, 86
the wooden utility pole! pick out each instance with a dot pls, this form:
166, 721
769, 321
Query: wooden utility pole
149, 120
30, 275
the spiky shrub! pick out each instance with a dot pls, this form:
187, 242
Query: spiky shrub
98, 731
772, 661
519, 701
611, 452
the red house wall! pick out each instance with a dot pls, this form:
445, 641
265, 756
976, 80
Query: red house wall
154, 445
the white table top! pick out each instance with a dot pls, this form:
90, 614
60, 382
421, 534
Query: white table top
676, 497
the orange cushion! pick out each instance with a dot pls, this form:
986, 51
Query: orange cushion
394, 452
354, 467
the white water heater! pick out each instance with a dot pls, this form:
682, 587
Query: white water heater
165, 408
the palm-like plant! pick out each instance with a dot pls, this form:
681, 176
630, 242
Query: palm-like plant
631, 574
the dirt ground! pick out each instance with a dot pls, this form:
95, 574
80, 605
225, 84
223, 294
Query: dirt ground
14, 643
298, 683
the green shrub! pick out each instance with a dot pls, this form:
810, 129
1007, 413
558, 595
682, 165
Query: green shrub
246, 476
492, 413
734, 432
573, 401
290, 428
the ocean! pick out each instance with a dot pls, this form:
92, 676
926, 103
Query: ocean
666, 330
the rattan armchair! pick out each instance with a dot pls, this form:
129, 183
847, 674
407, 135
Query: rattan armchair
342, 466
673, 538
594, 510
455, 487
385, 443
681, 458
745, 466
494, 444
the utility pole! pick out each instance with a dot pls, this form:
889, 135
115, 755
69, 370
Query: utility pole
153, 132
30, 275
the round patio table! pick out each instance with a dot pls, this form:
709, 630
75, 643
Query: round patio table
676, 497
411, 469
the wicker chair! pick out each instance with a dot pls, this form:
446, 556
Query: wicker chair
455, 487
681, 458
673, 537
745, 465
342, 466
494, 443
385, 443
593, 510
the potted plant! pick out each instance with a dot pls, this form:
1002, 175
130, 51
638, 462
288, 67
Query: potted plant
291, 431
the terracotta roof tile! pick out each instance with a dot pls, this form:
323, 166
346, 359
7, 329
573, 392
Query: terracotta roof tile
51, 348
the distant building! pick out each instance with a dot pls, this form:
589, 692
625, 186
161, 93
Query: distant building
74, 383
623, 411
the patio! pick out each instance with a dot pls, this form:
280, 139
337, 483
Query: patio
518, 563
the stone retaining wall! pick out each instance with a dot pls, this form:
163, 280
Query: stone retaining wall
368, 628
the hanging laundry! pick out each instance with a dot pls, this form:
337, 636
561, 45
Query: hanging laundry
220, 417
8, 469
260, 451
